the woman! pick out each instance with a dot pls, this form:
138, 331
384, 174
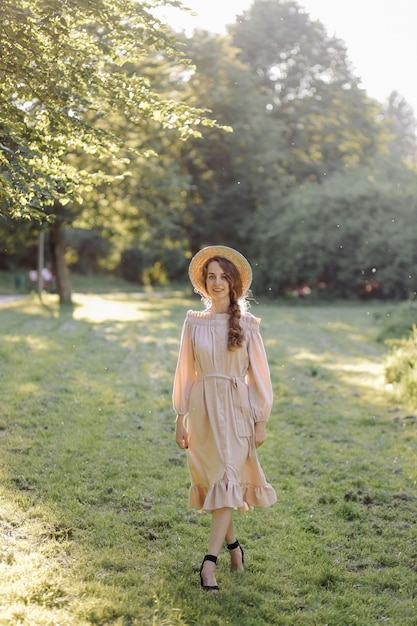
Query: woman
222, 396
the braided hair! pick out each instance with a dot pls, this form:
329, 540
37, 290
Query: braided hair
235, 335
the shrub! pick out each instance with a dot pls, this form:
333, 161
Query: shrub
175, 263
401, 366
355, 233
133, 263
397, 323
85, 248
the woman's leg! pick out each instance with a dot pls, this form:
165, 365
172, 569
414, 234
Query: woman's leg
236, 555
220, 525
230, 535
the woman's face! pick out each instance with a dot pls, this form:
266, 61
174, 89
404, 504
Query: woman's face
217, 284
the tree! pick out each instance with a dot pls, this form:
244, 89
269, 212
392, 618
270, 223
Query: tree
144, 210
63, 71
403, 126
312, 91
288, 90
354, 233
226, 170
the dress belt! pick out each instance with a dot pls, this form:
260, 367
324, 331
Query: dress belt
233, 379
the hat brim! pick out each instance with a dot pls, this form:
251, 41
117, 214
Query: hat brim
198, 261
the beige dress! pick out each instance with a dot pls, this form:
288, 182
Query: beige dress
223, 393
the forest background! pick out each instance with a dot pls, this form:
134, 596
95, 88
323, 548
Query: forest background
130, 147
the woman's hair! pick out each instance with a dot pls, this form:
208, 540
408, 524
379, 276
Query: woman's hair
237, 302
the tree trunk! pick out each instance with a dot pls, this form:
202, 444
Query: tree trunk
41, 260
60, 269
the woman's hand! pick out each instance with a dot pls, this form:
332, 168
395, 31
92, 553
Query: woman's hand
260, 433
181, 435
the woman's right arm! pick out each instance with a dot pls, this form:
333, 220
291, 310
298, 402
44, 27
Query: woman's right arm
181, 434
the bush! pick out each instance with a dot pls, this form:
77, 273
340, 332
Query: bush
398, 322
355, 233
142, 267
401, 366
85, 248
175, 264
133, 264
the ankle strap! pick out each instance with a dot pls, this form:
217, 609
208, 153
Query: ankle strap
233, 546
210, 557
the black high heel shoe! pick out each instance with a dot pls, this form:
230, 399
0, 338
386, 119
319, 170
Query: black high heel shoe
233, 546
213, 559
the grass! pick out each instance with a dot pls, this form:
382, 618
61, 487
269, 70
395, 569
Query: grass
94, 522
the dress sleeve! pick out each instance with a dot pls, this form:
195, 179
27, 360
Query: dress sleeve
185, 374
258, 377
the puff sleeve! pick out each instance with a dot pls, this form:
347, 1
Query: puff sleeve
185, 373
258, 376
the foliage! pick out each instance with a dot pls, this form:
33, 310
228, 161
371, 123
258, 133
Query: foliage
398, 331
133, 264
65, 69
290, 41
223, 169
18, 247
85, 250
69, 68
297, 112
157, 266
403, 126
353, 234
401, 367
94, 521
145, 207
312, 91
398, 320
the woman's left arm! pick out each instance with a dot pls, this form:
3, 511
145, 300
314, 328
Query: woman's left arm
259, 378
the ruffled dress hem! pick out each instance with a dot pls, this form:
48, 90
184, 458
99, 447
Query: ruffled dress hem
235, 496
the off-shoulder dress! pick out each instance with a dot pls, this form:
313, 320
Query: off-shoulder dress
223, 393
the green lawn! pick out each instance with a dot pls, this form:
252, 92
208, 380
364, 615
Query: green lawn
94, 522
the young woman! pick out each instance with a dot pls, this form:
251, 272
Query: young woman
222, 396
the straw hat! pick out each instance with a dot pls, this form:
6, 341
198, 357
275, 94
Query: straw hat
195, 270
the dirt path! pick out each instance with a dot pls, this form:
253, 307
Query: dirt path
10, 298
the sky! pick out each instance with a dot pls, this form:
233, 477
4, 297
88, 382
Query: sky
380, 35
